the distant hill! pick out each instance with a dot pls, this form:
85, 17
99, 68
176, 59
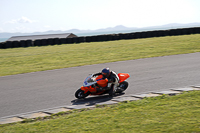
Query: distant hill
109, 30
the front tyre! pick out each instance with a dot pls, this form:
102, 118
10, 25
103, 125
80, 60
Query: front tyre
80, 94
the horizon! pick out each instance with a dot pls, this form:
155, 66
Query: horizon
45, 15
109, 30
169, 26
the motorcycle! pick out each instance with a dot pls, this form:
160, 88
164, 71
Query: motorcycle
91, 83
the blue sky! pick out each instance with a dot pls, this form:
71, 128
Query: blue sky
44, 15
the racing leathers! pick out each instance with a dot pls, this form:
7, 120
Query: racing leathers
113, 82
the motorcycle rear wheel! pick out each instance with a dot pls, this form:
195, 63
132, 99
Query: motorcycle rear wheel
80, 94
123, 86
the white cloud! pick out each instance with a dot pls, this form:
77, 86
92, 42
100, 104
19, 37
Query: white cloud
24, 20
21, 20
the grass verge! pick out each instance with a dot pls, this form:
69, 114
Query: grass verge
178, 114
32, 59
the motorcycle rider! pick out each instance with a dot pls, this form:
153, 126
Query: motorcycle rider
113, 80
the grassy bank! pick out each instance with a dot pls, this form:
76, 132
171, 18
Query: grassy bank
31, 59
174, 114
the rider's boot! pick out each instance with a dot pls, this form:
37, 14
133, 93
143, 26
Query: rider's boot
112, 91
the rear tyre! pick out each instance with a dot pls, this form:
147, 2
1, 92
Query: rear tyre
80, 94
123, 86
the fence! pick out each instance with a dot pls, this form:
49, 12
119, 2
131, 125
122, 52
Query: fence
99, 38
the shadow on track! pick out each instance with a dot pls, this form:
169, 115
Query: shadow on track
92, 100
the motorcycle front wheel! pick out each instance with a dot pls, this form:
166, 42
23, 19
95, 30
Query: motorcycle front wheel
80, 94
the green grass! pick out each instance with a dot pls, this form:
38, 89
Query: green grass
170, 114
31, 59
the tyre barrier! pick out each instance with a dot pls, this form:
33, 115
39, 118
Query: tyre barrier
75, 40
81, 39
94, 39
69, 40
58, 41
88, 39
37, 43
99, 38
196, 30
2, 45
43, 42
50, 41
115, 37
10, 44
22, 43
137, 35
29, 43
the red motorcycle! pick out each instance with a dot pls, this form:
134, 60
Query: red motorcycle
89, 86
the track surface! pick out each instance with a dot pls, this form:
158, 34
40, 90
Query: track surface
47, 89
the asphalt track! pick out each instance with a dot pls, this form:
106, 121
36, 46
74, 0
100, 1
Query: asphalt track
47, 89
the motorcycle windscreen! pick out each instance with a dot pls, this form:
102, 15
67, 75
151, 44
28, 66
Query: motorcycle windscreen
86, 83
123, 76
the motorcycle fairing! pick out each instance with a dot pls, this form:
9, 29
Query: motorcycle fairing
99, 80
123, 76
